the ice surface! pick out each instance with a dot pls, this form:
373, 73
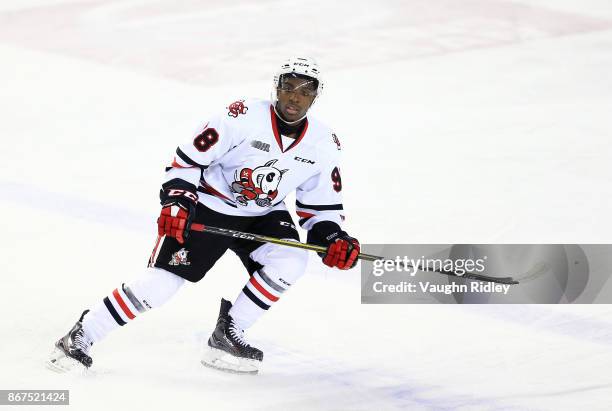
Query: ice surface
461, 122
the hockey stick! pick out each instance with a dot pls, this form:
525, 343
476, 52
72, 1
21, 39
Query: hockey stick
320, 249
265, 239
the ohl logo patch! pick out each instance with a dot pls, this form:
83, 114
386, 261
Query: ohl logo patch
236, 108
259, 184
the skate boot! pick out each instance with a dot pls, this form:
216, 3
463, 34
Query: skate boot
227, 350
72, 350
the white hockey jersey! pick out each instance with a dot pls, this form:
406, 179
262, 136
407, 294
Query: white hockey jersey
242, 167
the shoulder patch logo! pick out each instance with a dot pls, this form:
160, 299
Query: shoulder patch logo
336, 140
236, 108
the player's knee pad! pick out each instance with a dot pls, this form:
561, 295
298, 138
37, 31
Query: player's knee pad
153, 288
282, 265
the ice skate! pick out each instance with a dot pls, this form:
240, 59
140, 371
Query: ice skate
72, 350
227, 349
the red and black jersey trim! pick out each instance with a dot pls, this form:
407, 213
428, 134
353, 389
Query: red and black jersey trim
307, 211
188, 160
304, 219
277, 135
210, 190
320, 207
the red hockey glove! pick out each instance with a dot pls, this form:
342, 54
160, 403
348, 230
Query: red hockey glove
178, 199
342, 253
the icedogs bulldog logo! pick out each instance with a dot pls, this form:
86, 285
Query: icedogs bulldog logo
179, 258
259, 184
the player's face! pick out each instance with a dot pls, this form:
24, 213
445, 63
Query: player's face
295, 96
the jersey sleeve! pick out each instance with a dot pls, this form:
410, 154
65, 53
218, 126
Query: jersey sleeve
320, 197
209, 143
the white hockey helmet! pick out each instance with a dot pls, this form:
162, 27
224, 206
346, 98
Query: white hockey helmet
305, 67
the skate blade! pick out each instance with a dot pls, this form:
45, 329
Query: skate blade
62, 364
222, 361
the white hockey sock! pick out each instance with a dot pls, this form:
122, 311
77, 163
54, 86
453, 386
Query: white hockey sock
98, 322
151, 289
245, 312
255, 299
281, 267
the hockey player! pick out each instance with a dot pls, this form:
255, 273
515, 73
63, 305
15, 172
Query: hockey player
235, 173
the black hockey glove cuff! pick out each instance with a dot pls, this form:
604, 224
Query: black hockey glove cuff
178, 192
324, 233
